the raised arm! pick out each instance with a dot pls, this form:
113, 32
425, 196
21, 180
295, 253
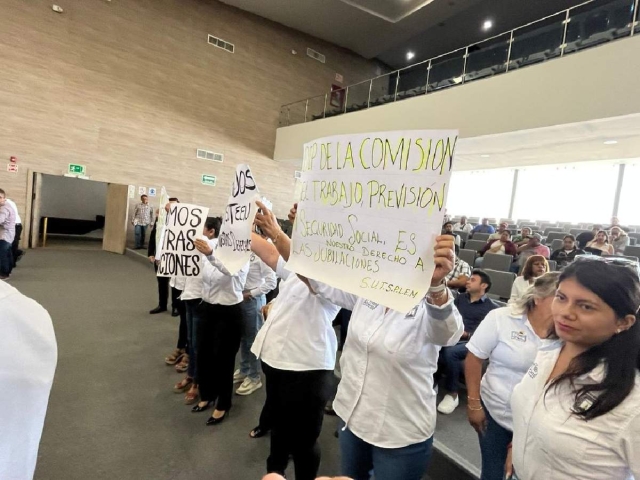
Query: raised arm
203, 247
266, 251
268, 223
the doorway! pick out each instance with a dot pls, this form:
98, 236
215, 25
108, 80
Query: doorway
74, 213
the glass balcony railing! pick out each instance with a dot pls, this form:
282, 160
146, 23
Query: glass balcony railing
583, 26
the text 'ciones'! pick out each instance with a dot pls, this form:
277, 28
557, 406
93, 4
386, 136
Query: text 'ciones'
369, 209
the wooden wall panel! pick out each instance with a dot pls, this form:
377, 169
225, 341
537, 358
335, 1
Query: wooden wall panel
130, 88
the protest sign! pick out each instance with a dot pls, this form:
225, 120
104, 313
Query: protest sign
179, 257
234, 241
369, 209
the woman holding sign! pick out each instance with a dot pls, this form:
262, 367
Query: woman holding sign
386, 397
218, 335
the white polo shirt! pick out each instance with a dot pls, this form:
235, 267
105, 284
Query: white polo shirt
386, 395
260, 279
549, 442
298, 334
508, 340
192, 288
218, 285
28, 357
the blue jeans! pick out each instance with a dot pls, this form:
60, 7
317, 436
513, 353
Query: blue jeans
140, 233
6, 258
360, 459
493, 448
453, 360
251, 323
192, 319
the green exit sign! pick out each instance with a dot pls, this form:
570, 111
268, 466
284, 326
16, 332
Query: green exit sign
77, 169
208, 180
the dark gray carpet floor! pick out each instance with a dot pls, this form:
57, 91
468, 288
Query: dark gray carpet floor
112, 412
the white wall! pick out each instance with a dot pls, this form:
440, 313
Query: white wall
66, 197
597, 83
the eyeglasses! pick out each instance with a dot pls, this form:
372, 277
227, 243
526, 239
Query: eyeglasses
612, 260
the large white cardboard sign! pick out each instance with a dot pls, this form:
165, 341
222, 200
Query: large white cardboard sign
179, 257
234, 241
369, 209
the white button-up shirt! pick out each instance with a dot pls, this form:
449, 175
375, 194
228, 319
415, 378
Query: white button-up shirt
261, 279
386, 394
549, 442
508, 340
13, 205
298, 334
28, 356
218, 285
192, 288
467, 227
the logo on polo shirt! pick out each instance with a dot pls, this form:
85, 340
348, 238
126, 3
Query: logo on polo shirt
370, 304
533, 370
519, 336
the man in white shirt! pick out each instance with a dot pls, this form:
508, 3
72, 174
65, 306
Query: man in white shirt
28, 356
463, 226
7, 234
260, 281
15, 246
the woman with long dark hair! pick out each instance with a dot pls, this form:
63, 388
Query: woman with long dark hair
576, 413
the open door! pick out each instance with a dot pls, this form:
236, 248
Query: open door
115, 222
35, 191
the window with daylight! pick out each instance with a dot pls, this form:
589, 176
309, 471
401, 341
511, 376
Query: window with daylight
628, 209
480, 193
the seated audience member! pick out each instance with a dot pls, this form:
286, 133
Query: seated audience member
523, 237
567, 254
447, 229
503, 246
586, 237
501, 228
27, 365
473, 306
615, 222
601, 244
458, 277
463, 226
532, 247
619, 240
576, 414
534, 268
484, 227
509, 338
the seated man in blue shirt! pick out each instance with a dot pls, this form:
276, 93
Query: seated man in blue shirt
473, 306
484, 227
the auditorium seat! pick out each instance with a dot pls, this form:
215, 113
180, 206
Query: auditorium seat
496, 261
632, 251
553, 265
555, 236
481, 236
501, 283
556, 244
464, 236
468, 256
475, 245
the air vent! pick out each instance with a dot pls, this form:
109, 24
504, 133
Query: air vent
315, 55
207, 155
298, 174
218, 42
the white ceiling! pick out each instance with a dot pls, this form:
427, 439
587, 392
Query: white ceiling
569, 143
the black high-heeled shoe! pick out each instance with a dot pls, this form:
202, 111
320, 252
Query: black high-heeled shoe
216, 421
197, 408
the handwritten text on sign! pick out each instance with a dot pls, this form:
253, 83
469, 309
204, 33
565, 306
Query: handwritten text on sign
179, 257
234, 241
369, 209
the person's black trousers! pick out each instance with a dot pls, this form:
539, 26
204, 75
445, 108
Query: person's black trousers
295, 410
218, 335
182, 311
163, 288
15, 246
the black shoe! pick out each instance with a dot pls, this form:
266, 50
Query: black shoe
197, 408
258, 432
174, 312
216, 421
158, 309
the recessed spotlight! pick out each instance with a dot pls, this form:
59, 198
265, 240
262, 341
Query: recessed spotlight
410, 55
487, 25
485, 156
610, 142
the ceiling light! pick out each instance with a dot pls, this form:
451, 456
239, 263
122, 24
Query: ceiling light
410, 55
610, 142
485, 156
487, 25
